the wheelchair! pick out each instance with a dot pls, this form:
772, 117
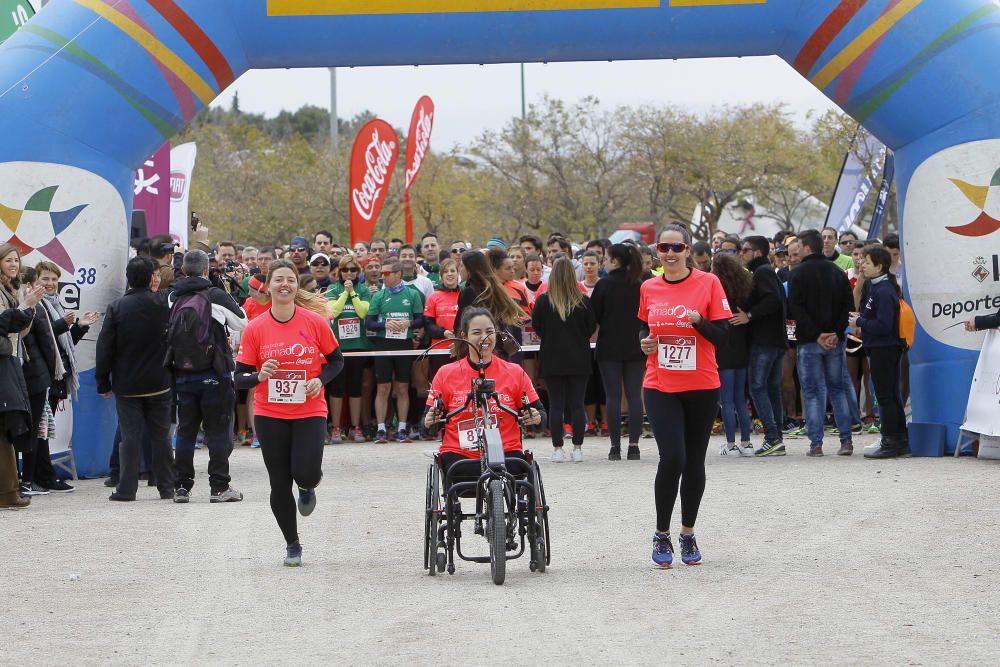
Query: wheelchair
503, 497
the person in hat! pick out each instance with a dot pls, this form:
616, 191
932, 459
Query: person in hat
319, 266
299, 253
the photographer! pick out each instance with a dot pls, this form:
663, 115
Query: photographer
202, 361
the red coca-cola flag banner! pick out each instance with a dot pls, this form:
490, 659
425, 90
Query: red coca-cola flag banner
373, 159
417, 145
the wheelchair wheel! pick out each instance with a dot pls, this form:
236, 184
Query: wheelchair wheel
433, 503
496, 531
543, 519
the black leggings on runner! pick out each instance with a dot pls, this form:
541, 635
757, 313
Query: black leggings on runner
627, 373
567, 391
293, 452
682, 425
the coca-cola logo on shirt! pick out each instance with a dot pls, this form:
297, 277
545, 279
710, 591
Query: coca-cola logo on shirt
372, 162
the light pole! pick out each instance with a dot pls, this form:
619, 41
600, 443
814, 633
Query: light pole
334, 125
523, 114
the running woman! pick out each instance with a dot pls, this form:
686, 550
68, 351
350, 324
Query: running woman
685, 313
288, 355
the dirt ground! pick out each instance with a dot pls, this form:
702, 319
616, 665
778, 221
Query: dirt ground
807, 561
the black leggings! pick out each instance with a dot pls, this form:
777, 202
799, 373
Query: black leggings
682, 425
293, 452
885, 371
629, 373
563, 388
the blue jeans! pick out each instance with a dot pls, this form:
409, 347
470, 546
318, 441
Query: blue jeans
766, 365
734, 403
822, 371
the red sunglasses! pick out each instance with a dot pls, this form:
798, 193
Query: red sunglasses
673, 247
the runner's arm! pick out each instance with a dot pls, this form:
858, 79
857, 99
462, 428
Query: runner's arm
334, 364
246, 376
714, 331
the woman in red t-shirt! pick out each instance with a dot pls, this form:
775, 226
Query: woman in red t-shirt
454, 381
685, 314
287, 356
440, 311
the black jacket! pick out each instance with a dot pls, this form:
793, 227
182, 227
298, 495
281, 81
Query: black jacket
616, 309
565, 348
879, 314
766, 307
819, 299
734, 351
40, 365
988, 321
132, 344
13, 392
223, 307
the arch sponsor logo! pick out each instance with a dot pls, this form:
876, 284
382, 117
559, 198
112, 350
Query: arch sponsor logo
951, 234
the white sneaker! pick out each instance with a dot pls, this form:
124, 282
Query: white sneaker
726, 451
747, 449
578, 455
558, 456
871, 449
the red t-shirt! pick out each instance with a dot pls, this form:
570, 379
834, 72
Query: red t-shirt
685, 360
453, 383
254, 309
300, 346
442, 305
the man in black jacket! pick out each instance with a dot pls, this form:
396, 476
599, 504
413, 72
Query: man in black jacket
768, 341
206, 397
130, 353
820, 302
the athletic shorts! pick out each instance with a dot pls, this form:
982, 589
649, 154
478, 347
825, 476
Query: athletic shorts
388, 366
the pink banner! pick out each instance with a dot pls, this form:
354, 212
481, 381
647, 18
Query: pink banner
152, 192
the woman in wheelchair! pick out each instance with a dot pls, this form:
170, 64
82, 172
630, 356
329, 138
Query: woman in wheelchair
452, 385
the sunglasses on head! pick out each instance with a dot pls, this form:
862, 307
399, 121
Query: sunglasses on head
672, 247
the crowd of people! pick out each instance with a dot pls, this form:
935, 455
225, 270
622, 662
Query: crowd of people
230, 345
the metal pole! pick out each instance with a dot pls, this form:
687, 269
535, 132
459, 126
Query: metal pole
523, 112
334, 125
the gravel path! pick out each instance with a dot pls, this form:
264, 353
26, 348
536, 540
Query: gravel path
807, 561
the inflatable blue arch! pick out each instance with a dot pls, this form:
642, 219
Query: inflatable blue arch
89, 88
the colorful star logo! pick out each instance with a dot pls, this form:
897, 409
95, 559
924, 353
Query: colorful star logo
40, 226
982, 197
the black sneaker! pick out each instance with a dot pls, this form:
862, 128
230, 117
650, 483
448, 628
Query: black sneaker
857, 429
57, 486
120, 498
28, 490
615, 454
111, 482
182, 495
307, 501
633, 453
169, 494
771, 448
226, 495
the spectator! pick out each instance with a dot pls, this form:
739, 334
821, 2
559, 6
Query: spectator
730, 245
820, 302
361, 250
430, 253
17, 310
564, 319
348, 306
319, 267
264, 258
408, 262
765, 319
130, 354
203, 383
621, 361
226, 252
249, 258
299, 253
701, 253
323, 243
379, 248
829, 238
878, 322
732, 355
717, 238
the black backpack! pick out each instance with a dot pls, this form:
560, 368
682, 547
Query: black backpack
190, 347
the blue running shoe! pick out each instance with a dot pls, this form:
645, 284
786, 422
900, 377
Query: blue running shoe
663, 550
255, 444
307, 501
690, 555
293, 555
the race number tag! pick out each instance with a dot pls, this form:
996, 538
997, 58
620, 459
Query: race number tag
529, 336
396, 335
468, 432
677, 353
348, 328
287, 387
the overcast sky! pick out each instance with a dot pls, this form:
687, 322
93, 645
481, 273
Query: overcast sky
470, 99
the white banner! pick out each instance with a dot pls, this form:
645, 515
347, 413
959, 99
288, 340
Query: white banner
182, 160
855, 182
983, 412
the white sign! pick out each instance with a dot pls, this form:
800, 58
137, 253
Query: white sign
951, 234
182, 159
983, 412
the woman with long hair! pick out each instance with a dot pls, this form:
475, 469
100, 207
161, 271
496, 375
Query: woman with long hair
17, 313
564, 320
440, 311
878, 322
484, 289
733, 356
686, 315
619, 357
347, 305
287, 357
